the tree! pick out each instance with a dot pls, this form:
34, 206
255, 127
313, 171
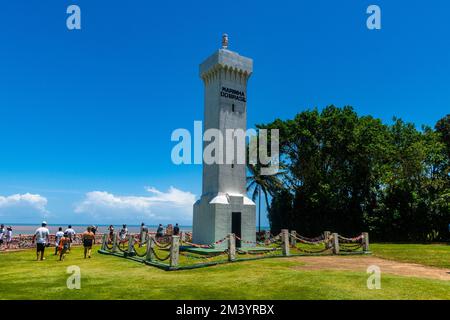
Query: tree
258, 184
348, 174
443, 128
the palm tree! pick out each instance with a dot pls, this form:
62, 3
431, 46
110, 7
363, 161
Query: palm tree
258, 184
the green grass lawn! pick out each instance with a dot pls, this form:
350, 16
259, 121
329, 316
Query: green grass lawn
435, 255
109, 277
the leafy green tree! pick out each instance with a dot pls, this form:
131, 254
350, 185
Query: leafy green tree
347, 174
259, 184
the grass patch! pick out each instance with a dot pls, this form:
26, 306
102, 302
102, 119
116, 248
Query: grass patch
434, 255
110, 277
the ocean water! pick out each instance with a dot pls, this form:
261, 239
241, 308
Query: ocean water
29, 229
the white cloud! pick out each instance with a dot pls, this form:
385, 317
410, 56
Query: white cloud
33, 201
23, 207
172, 206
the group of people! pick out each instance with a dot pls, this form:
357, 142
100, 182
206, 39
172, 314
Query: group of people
5, 236
63, 241
123, 232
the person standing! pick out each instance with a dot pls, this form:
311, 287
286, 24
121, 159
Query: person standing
88, 238
2, 235
111, 233
123, 232
160, 231
71, 234
143, 234
41, 237
8, 237
58, 237
176, 230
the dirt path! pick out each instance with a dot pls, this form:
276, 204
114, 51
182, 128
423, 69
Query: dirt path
360, 263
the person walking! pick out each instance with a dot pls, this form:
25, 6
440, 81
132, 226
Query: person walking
88, 238
63, 246
71, 234
41, 237
58, 237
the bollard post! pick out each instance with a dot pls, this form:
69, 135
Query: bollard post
114, 249
174, 251
293, 238
335, 243
231, 247
150, 256
104, 242
285, 241
365, 241
326, 236
130, 245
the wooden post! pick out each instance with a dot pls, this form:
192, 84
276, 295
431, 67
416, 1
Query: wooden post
365, 241
114, 249
326, 236
104, 242
285, 241
130, 245
231, 247
293, 238
150, 245
174, 251
335, 243
183, 237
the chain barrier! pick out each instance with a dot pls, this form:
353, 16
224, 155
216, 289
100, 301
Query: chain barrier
158, 257
351, 240
139, 254
206, 246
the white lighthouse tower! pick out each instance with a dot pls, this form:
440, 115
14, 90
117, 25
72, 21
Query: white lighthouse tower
224, 206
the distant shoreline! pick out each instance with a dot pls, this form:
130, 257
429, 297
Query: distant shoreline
27, 228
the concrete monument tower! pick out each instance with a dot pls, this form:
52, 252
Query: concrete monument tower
224, 206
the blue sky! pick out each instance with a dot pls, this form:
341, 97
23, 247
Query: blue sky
86, 116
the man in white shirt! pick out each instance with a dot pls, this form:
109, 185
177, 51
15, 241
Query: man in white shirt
71, 234
58, 237
41, 236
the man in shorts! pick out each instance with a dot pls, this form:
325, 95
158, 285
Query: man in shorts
41, 237
88, 239
71, 234
63, 246
58, 237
